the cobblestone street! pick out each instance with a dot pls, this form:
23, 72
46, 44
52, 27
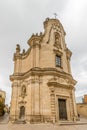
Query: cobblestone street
6, 125
4, 119
10, 126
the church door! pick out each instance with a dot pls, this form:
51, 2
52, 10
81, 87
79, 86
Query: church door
22, 112
62, 109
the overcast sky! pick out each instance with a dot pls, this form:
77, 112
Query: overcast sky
20, 18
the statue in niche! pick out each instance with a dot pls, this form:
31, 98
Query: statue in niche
23, 91
57, 40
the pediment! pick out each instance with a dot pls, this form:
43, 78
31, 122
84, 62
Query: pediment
59, 82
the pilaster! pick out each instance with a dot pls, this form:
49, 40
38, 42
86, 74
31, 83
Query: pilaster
13, 109
52, 101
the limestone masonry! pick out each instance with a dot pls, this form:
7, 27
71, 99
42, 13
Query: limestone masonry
42, 83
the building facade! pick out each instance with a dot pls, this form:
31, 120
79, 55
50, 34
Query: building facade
42, 83
3, 95
85, 99
2, 102
82, 107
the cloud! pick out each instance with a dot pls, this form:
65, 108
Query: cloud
20, 18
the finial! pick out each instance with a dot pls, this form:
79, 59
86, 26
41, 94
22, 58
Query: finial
32, 34
23, 51
40, 33
36, 34
17, 48
47, 19
55, 14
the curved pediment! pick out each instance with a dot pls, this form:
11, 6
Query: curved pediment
61, 82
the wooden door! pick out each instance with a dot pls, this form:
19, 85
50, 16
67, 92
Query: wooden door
62, 109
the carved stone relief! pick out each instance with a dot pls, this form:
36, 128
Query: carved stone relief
58, 40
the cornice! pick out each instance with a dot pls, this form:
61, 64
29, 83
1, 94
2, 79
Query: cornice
57, 84
17, 56
68, 53
42, 72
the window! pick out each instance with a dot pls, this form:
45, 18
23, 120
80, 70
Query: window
58, 60
22, 112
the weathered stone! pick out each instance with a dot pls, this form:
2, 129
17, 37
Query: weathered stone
45, 72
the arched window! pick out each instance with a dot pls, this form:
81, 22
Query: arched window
22, 112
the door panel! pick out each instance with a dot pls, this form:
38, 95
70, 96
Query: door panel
62, 109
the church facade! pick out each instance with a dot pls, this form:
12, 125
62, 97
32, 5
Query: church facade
42, 84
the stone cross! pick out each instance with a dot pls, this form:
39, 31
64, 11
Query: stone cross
55, 14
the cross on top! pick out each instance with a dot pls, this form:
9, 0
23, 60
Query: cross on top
55, 14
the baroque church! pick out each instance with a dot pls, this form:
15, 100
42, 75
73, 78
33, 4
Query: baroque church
43, 89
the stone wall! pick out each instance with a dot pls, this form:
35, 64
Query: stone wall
82, 109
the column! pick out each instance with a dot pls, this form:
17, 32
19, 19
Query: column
74, 104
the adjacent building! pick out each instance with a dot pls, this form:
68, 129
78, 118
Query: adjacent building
3, 95
43, 89
2, 102
82, 107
